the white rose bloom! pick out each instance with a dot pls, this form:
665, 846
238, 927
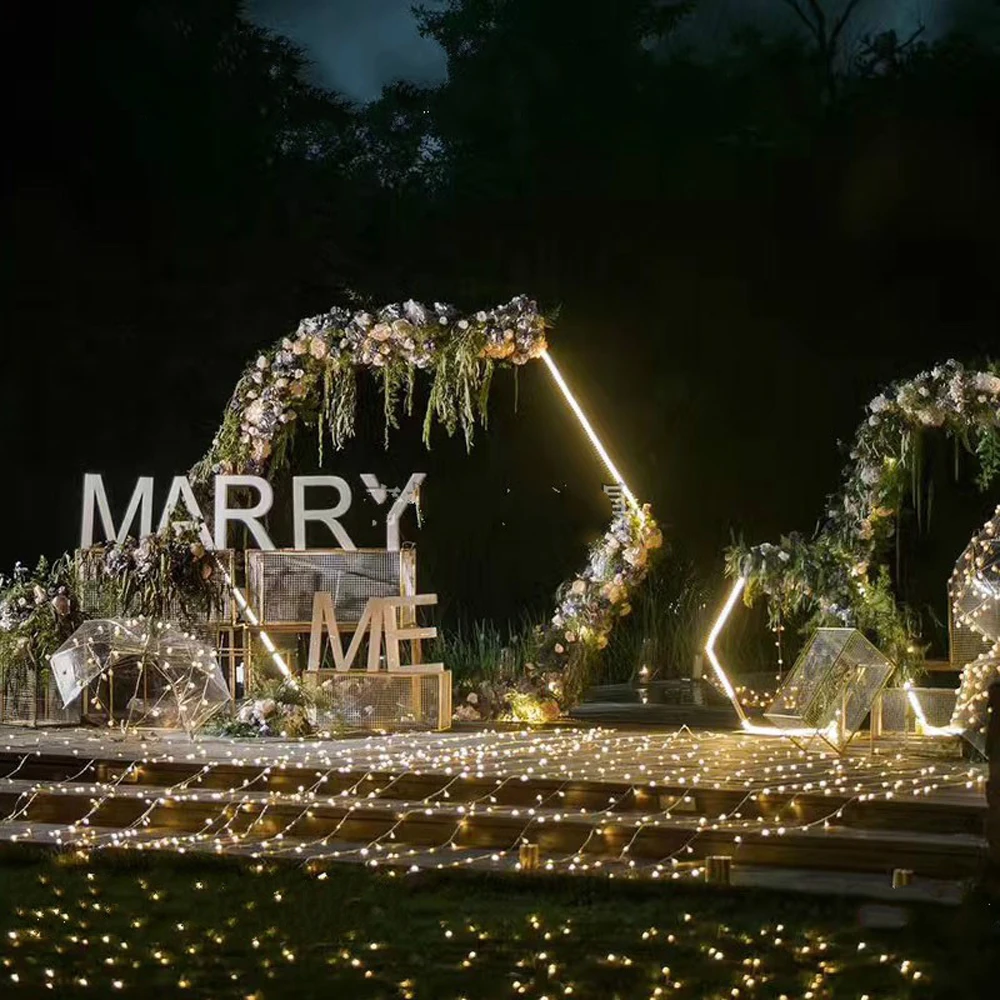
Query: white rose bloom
988, 382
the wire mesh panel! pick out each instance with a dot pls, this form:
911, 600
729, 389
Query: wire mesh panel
282, 582
32, 698
898, 715
832, 686
383, 700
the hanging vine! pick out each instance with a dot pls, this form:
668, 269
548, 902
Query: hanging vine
840, 576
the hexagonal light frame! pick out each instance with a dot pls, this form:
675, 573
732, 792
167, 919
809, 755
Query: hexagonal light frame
750, 727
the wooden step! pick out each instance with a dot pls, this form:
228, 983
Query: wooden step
944, 812
263, 815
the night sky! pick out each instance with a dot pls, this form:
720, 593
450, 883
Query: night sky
740, 262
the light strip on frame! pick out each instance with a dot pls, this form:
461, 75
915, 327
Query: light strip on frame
745, 723
918, 711
585, 424
248, 613
727, 610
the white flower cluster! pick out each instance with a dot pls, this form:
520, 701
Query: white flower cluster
591, 603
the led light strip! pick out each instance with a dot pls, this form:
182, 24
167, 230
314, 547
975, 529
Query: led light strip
745, 723
252, 618
588, 429
727, 610
830, 731
918, 711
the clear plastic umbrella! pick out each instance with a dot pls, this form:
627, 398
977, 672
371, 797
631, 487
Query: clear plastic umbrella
158, 674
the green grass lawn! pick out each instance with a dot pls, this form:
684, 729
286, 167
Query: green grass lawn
170, 926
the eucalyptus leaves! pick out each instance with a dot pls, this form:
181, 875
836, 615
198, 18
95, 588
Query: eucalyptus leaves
839, 577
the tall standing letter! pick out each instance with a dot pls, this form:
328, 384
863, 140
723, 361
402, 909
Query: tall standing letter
141, 504
247, 516
325, 516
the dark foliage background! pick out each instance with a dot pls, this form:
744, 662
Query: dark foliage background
744, 246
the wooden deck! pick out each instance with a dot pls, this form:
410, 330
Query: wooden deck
632, 803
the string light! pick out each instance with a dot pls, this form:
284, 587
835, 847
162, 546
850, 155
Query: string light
282, 789
75, 940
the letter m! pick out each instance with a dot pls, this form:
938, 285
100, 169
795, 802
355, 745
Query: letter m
94, 495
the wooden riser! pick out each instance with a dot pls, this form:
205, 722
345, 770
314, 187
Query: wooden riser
941, 815
394, 822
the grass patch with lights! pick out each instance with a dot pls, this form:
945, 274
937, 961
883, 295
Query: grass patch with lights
73, 926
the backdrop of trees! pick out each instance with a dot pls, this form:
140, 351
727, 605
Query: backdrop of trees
744, 242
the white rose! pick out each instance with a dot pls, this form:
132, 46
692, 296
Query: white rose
987, 382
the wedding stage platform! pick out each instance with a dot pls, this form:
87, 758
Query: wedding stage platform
610, 802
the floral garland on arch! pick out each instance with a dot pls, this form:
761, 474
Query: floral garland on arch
590, 604
310, 378
840, 577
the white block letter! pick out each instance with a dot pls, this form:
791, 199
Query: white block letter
247, 516
325, 616
141, 504
407, 495
326, 516
180, 489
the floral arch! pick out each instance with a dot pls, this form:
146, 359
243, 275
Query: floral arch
840, 576
311, 377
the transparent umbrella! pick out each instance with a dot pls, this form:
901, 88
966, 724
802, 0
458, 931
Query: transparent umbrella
158, 674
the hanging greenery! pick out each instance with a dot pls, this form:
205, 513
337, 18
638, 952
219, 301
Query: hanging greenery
38, 612
311, 377
840, 576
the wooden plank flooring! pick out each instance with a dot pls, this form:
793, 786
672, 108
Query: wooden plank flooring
639, 803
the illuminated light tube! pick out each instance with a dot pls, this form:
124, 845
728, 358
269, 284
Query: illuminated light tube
918, 711
720, 673
727, 610
251, 617
590, 432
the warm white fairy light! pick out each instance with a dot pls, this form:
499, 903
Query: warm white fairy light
588, 429
65, 944
335, 784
